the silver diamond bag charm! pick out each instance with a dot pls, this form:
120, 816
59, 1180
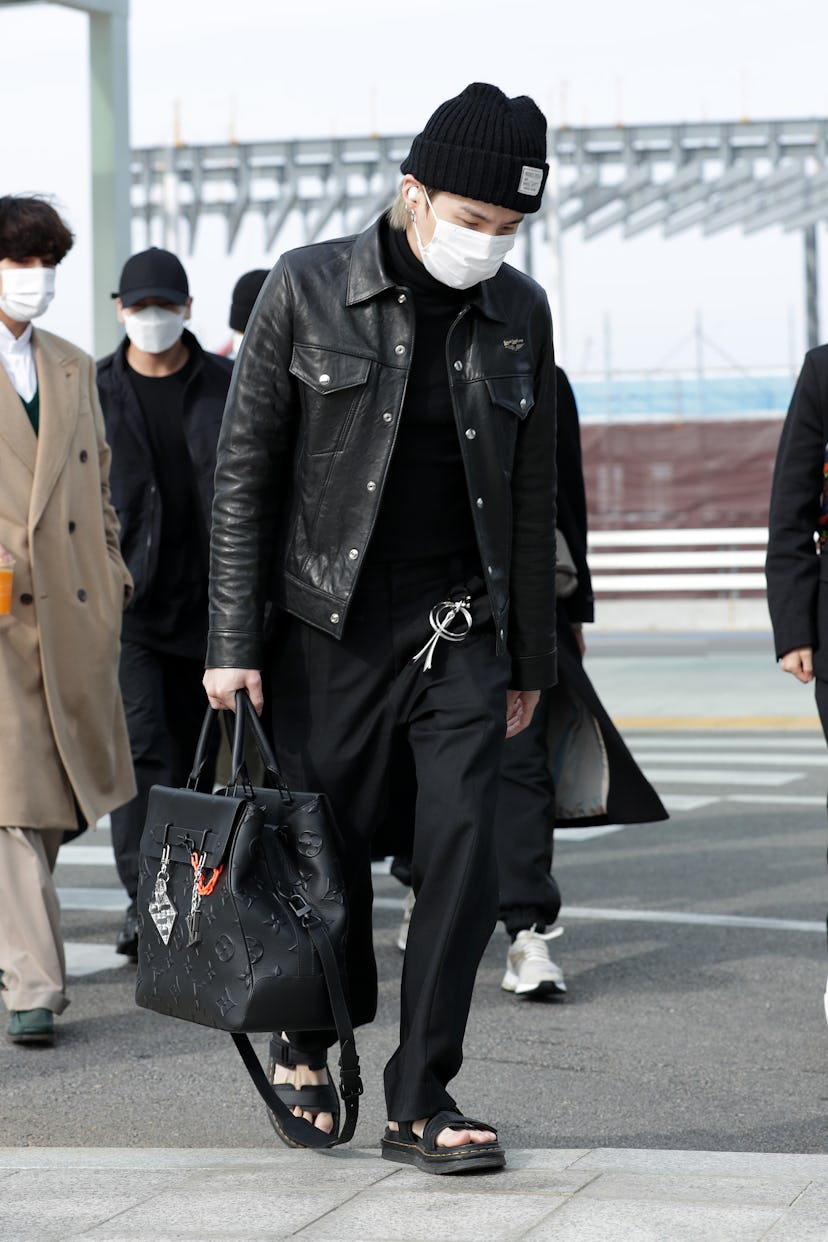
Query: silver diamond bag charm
161, 909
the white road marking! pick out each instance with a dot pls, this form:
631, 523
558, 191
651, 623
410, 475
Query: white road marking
703, 776
670, 741
611, 914
676, 916
93, 899
716, 756
88, 959
687, 802
790, 800
86, 856
589, 834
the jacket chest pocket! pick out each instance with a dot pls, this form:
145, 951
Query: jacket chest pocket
332, 385
512, 398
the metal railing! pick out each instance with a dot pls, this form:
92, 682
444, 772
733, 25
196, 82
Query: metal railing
728, 560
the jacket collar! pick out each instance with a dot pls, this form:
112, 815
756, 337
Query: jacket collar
368, 277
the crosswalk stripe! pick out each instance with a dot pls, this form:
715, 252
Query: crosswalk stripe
72, 898
86, 856
611, 914
703, 776
688, 802
769, 742
790, 800
87, 959
740, 756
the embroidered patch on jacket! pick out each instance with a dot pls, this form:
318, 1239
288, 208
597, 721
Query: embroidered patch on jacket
515, 343
531, 180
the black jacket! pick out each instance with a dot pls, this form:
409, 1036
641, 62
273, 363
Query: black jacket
132, 480
309, 430
797, 577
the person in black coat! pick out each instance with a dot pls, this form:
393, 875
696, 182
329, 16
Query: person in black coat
162, 397
797, 567
796, 570
571, 767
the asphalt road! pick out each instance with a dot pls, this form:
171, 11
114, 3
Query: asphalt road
694, 952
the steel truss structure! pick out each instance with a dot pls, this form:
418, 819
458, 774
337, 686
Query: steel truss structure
750, 174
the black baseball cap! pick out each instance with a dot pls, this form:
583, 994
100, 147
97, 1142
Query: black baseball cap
153, 273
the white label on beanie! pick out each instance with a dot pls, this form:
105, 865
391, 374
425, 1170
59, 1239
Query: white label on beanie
531, 180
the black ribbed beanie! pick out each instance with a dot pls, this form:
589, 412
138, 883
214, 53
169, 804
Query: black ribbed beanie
483, 145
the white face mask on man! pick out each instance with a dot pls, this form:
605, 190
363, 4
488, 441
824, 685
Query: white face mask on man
461, 257
26, 291
154, 328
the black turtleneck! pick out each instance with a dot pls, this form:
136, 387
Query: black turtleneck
425, 509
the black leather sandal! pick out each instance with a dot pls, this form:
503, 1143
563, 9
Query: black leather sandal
405, 1147
311, 1099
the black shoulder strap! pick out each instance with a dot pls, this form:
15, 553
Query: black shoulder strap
350, 1086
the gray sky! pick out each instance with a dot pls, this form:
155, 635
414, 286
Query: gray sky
267, 69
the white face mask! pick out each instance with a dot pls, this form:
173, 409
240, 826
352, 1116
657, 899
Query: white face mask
155, 328
461, 257
27, 291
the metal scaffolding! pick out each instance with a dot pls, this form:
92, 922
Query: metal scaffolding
751, 175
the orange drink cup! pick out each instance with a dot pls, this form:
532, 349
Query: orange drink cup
6, 576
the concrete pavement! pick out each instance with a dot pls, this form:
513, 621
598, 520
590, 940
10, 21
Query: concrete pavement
255, 1195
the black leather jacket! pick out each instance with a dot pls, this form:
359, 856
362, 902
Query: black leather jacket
308, 433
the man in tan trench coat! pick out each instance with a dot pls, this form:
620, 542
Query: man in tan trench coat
64, 752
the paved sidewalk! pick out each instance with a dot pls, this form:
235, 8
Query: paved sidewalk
259, 1195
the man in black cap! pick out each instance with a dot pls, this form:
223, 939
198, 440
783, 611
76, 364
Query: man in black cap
245, 291
386, 477
162, 397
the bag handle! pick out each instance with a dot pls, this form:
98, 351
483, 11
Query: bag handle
244, 716
202, 747
245, 709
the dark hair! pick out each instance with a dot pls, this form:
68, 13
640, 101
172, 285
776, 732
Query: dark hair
30, 228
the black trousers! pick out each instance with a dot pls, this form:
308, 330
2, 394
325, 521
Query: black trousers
165, 703
524, 829
343, 713
821, 695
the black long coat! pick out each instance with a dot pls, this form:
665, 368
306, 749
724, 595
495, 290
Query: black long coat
596, 779
797, 576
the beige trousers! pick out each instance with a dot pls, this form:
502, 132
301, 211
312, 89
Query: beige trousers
31, 945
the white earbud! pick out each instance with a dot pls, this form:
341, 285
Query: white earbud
413, 193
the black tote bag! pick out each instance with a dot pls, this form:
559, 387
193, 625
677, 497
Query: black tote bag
242, 917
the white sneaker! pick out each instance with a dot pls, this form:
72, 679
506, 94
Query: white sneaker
529, 968
402, 934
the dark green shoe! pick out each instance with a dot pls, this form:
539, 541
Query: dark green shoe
31, 1026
